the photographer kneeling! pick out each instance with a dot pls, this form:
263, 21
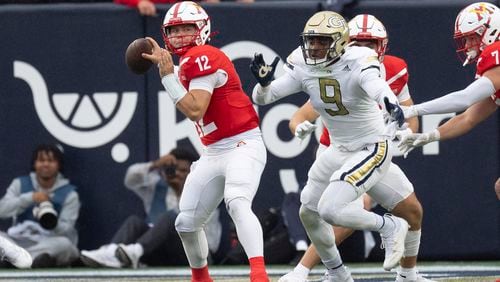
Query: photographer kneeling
153, 240
44, 207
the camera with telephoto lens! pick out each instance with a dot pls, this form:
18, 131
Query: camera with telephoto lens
46, 215
169, 170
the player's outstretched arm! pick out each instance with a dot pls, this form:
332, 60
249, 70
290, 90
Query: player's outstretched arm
457, 126
456, 101
301, 122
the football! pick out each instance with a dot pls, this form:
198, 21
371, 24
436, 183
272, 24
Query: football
135, 62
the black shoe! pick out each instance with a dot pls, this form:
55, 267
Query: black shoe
296, 259
43, 261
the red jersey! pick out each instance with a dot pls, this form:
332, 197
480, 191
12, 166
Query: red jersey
489, 59
396, 75
230, 111
133, 3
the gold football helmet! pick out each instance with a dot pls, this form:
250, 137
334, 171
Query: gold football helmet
324, 38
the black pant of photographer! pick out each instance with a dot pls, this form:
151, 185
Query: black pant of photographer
161, 243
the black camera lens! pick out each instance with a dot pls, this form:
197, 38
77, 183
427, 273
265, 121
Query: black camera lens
48, 221
46, 215
169, 170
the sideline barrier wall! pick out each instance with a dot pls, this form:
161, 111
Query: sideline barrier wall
64, 80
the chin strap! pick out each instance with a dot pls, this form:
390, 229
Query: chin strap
470, 55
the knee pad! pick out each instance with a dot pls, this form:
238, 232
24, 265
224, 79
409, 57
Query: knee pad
317, 229
308, 216
327, 212
187, 223
237, 207
412, 243
332, 215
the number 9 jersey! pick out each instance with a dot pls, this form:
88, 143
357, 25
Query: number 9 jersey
350, 113
230, 111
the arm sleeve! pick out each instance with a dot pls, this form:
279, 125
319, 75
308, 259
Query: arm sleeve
281, 87
376, 87
460, 100
13, 202
69, 215
140, 180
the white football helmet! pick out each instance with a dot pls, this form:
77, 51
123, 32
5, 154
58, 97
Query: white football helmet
481, 19
182, 13
366, 27
331, 30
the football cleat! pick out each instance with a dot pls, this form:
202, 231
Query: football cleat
394, 242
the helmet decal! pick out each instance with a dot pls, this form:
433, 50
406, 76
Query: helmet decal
480, 10
336, 22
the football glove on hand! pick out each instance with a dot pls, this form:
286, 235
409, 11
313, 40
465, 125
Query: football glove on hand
395, 112
401, 134
413, 140
263, 72
303, 129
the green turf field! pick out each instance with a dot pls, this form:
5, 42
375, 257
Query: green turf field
439, 271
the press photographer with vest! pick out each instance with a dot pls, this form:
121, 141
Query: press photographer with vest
152, 240
44, 207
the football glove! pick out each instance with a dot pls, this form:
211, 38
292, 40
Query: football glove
395, 112
263, 72
401, 134
303, 129
413, 140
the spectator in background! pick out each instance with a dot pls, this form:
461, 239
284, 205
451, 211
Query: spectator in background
44, 207
153, 240
148, 7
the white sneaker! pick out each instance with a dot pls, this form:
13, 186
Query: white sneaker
14, 254
129, 255
341, 274
411, 277
102, 257
394, 242
293, 276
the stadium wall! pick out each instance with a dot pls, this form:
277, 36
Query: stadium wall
60, 85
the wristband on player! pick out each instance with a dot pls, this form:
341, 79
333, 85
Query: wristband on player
173, 87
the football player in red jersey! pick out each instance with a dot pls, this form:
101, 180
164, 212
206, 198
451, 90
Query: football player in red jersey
208, 91
366, 30
477, 32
